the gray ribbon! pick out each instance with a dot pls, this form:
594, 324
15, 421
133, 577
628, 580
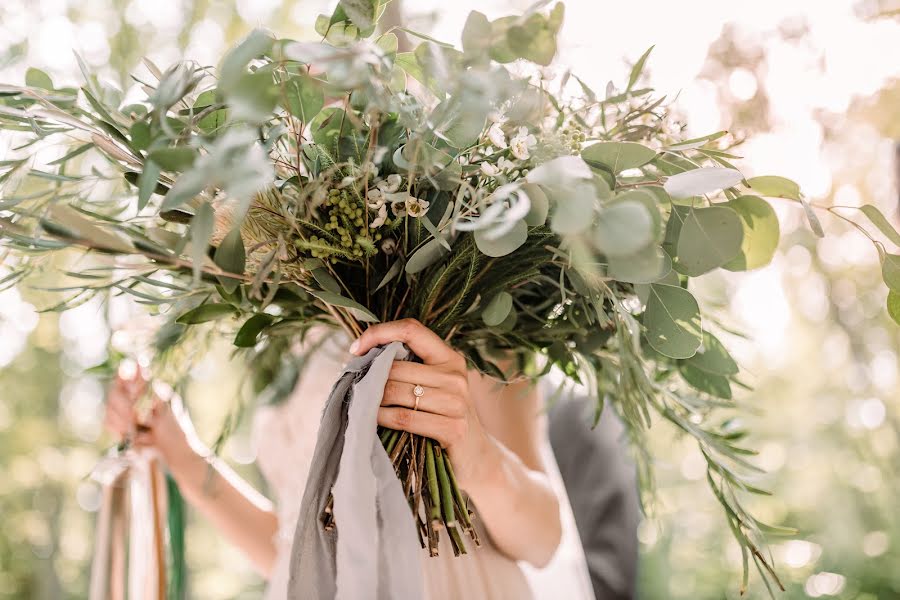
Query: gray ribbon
374, 551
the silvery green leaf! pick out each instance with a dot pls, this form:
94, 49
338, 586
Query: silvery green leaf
147, 183
775, 187
712, 357
699, 182
428, 254
672, 321
231, 257
356, 309
205, 313
890, 271
650, 265
618, 156
361, 12
234, 63
560, 171
504, 244
476, 35
201, 230
574, 206
623, 228
539, 205
392, 273
761, 233
709, 238
498, 309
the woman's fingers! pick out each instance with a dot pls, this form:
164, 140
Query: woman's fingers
422, 341
436, 401
428, 376
446, 430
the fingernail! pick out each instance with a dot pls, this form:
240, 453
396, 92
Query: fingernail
354, 347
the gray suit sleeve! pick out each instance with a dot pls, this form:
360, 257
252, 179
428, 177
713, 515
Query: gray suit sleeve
600, 480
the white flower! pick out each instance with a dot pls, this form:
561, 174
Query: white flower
505, 164
520, 143
416, 207
496, 135
489, 169
381, 218
391, 184
376, 199
389, 246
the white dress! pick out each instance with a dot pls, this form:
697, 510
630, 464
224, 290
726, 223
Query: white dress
285, 436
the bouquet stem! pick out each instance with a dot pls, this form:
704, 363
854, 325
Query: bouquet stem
428, 481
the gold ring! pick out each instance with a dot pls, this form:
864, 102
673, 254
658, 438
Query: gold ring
418, 392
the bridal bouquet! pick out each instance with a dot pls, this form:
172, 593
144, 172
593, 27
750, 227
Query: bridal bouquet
342, 182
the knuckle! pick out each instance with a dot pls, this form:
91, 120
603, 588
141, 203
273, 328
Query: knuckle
456, 431
402, 418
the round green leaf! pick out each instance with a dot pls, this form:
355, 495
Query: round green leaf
573, 210
647, 266
497, 309
303, 98
761, 233
540, 205
504, 244
618, 156
709, 238
672, 321
624, 228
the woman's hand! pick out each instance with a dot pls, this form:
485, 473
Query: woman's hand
166, 427
445, 412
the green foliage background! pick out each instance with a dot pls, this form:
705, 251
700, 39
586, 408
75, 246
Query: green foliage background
818, 395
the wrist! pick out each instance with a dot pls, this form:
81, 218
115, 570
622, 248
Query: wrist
482, 475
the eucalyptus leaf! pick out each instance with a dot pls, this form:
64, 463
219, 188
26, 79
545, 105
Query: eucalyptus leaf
539, 205
205, 313
231, 257
775, 187
147, 182
498, 309
713, 357
428, 254
248, 335
706, 382
303, 98
38, 79
893, 306
881, 222
672, 321
179, 158
647, 266
356, 309
618, 156
709, 238
761, 233
700, 182
504, 244
202, 226
234, 63
623, 228
890, 271
361, 12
